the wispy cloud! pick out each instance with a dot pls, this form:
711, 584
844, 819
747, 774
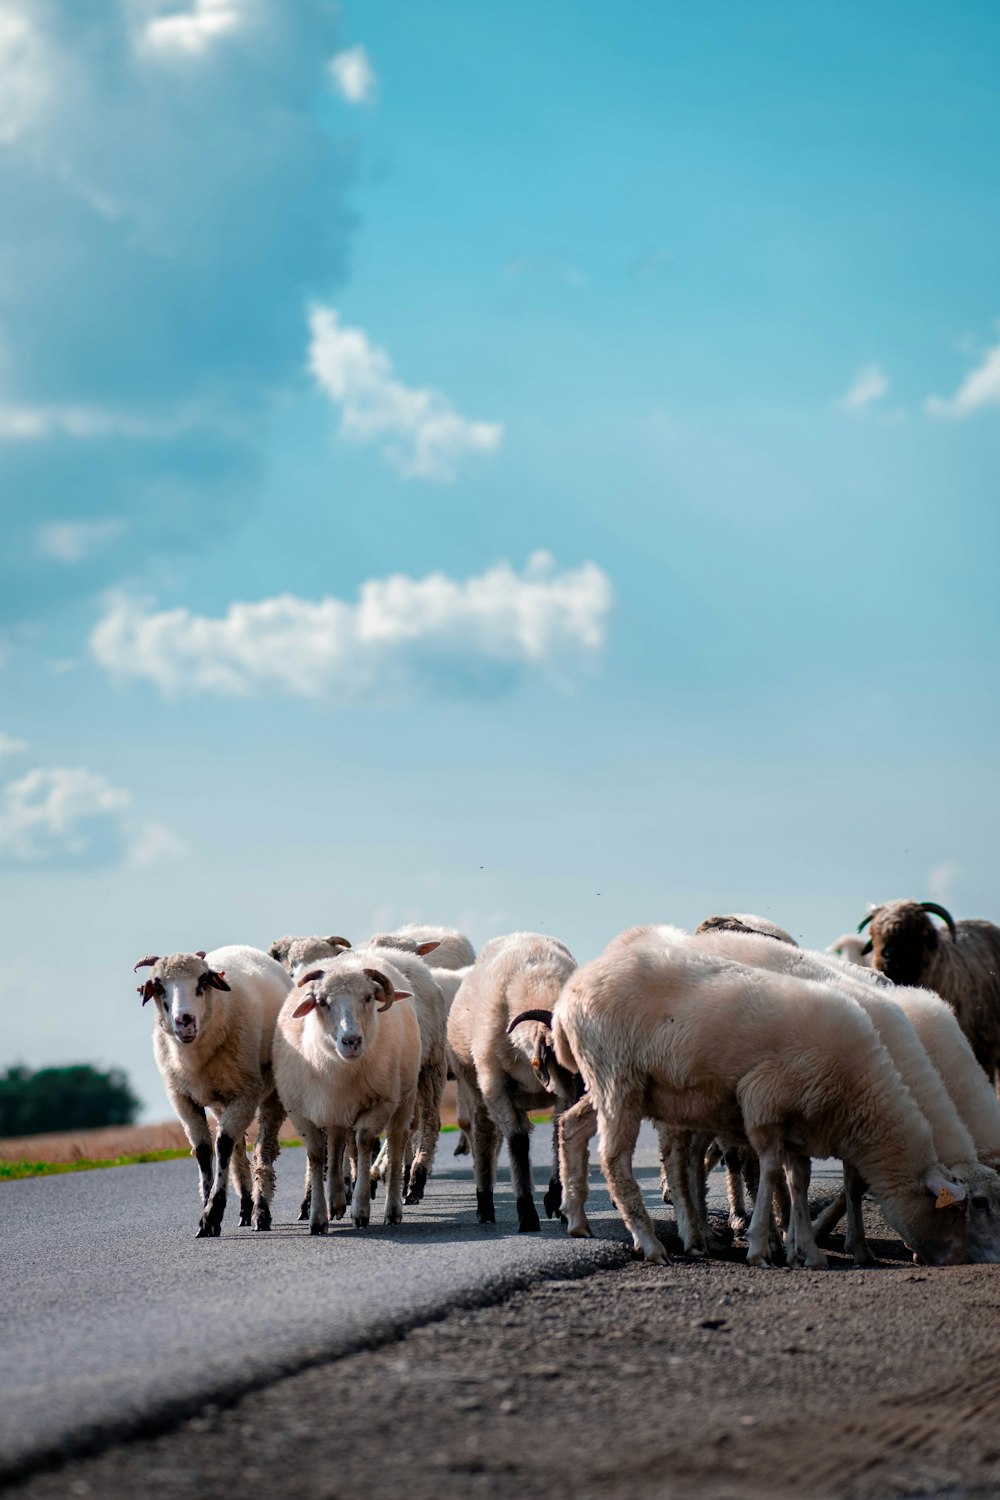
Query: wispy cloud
981, 387
869, 384
52, 815
476, 635
353, 75
145, 144
75, 541
419, 430
941, 881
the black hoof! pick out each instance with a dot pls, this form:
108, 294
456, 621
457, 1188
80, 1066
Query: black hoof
418, 1181
485, 1211
360, 1221
246, 1210
262, 1223
527, 1217
552, 1202
317, 1228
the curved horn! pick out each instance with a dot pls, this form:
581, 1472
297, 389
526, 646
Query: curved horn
865, 920
946, 916
867, 948
144, 963
531, 1015
308, 978
384, 985
344, 943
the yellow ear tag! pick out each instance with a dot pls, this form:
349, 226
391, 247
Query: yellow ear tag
535, 1064
944, 1199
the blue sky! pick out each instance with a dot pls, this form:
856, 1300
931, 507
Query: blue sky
522, 468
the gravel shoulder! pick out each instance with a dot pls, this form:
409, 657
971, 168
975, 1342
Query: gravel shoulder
696, 1379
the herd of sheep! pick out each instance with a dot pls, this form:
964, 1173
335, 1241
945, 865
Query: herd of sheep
738, 1044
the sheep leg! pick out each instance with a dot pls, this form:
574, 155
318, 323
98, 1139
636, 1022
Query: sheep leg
430, 1087
760, 1247
513, 1121
233, 1124
485, 1143
367, 1129
315, 1139
239, 1175
195, 1123
739, 1213
397, 1138
675, 1148
577, 1127
552, 1199
270, 1118
336, 1194
464, 1106
854, 1240
619, 1124
826, 1222
698, 1169
802, 1246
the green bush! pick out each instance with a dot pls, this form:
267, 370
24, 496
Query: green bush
78, 1098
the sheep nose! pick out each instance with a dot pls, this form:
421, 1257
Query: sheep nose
185, 1019
351, 1042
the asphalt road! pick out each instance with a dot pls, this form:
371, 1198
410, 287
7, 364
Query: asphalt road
115, 1317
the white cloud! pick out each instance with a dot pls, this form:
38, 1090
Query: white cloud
26, 424
153, 842
942, 879
9, 746
979, 388
58, 811
75, 541
474, 635
421, 432
192, 32
868, 385
25, 73
353, 75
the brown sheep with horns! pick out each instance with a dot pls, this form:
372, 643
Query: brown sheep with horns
962, 967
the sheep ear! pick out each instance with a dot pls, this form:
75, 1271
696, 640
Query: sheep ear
341, 942
146, 991
304, 1007
946, 1190
200, 953
308, 978
424, 948
215, 980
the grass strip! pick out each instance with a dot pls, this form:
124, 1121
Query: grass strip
16, 1171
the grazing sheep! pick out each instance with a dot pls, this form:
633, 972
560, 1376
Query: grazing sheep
509, 1074
293, 952
451, 948
744, 922
215, 1017
953, 1143
948, 1049
963, 968
346, 1061
852, 948
794, 1067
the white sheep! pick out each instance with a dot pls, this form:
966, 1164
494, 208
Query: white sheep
293, 952
852, 948
449, 982
215, 1016
451, 948
792, 1066
346, 1061
952, 1141
509, 1074
950, 1050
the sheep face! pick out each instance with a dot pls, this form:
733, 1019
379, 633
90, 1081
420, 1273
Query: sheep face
932, 1218
903, 941
295, 953
345, 1004
182, 986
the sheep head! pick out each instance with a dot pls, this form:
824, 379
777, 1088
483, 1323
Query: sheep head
347, 999
903, 939
181, 983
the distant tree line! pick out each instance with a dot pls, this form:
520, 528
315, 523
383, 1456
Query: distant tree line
77, 1098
